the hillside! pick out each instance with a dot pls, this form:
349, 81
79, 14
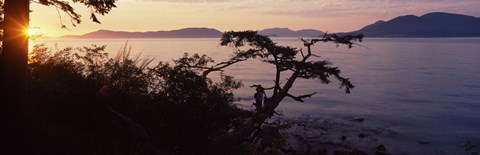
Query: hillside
193, 33
181, 33
436, 24
286, 32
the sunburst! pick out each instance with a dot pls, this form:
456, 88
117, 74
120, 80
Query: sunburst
33, 32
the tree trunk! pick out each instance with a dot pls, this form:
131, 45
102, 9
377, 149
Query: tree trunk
14, 55
253, 123
13, 75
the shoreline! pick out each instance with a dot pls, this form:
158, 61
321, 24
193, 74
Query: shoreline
309, 134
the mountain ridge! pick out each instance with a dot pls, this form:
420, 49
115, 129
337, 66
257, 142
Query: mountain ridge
286, 32
193, 33
434, 24
180, 33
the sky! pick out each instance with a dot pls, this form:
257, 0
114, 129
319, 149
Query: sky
225, 15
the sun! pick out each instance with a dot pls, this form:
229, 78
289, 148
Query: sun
32, 32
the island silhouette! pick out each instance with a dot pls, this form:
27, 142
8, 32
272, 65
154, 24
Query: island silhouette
435, 24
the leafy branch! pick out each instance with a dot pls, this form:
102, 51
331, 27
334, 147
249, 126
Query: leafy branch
101, 7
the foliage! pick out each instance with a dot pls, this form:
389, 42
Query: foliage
101, 7
286, 58
71, 91
97, 7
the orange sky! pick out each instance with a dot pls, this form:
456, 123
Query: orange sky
224, 15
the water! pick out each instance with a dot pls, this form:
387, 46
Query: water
424, 89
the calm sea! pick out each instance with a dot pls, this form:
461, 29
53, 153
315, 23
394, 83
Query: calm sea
428, 89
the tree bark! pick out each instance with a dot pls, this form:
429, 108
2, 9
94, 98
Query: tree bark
13, 75
14, 55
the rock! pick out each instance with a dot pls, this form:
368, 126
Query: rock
362, 135
380, 153
340, 152
381, 150
358, 152
321, 152
352, 152
423, 142
357, 119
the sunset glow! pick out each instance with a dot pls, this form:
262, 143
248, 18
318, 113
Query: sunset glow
225, 15
32, 32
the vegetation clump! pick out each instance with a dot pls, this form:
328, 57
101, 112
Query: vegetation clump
83, 101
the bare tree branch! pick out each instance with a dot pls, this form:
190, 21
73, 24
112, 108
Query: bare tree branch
300, 98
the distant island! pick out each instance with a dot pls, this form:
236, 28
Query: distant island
286, 32
436, 24
181, 33
194, 33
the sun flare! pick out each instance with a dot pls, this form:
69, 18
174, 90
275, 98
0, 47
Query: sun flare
32, 32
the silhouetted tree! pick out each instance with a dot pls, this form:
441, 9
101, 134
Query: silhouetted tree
14, 53
285, 59
14, 48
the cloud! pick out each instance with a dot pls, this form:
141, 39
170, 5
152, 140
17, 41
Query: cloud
373, 8
380, 9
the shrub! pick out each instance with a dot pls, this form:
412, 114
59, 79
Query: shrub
74, 91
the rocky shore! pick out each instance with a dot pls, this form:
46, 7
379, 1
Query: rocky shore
310, 135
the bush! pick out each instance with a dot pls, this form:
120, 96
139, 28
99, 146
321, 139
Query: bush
77, 95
